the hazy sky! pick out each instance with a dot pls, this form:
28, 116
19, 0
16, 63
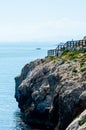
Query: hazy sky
42, 20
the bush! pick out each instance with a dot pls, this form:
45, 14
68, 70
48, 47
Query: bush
63, 61
64, 52
52, 58
82, 121
81, 64
83, 69
74, 70
82, 50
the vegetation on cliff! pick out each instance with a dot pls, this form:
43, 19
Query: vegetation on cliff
51, 92
69, 55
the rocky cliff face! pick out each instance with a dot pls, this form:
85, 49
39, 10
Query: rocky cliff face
79, 123
51, 93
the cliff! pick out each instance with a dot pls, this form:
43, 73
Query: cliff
79, 123
51, 92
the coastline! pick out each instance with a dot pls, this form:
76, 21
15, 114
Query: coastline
49, 91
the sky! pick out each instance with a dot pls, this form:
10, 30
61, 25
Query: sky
42, 20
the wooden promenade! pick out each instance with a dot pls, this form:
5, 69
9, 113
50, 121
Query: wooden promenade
69, 45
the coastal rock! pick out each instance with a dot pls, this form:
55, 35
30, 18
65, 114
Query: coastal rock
79, 123
50, 94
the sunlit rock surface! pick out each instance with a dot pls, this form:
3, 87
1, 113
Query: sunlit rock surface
51, 93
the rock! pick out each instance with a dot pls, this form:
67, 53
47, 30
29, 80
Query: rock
82, 98
79, 123
50, 94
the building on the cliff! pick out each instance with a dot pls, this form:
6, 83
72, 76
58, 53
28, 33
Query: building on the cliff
52, 52
69, 45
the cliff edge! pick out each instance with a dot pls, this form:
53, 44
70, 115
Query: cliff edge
51, 92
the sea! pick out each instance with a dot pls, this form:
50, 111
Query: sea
13, 56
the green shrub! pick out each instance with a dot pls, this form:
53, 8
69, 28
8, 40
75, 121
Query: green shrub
74, 70
72, 57
83, 69
82, 121
63, 61
81, 64
52, 58
75, 60
64, 52
82, 50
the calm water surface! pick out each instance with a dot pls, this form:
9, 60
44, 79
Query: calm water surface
13, 56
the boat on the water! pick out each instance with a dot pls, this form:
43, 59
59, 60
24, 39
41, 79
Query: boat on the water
38, 48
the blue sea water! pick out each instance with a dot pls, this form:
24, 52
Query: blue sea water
13, 56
